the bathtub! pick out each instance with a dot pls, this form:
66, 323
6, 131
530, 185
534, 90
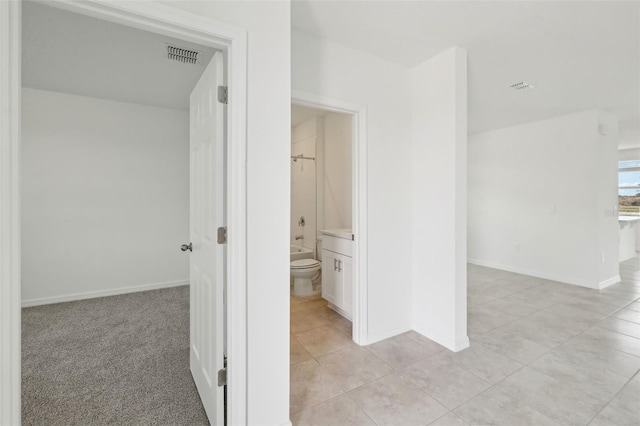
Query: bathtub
298, 252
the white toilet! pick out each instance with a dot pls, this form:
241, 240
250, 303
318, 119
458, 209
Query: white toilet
303, 271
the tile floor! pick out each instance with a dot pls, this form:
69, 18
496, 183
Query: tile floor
542, 353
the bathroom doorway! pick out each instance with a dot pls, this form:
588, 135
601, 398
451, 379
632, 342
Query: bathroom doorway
344, 119
328, 239
321, 208
180, 24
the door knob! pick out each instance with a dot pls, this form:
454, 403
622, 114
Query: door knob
186, 247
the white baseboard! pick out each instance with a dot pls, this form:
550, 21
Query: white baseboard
100, 293
342, 313
454, 345
610, 281
379, 337
543, 275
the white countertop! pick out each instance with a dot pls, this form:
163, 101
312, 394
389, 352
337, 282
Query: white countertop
628, 218
347, 234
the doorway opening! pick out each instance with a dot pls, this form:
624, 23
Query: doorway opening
122, 154
321, 205
328, 254
170, 23
347, 127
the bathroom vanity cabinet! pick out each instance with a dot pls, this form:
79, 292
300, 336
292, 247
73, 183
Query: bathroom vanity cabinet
337, 271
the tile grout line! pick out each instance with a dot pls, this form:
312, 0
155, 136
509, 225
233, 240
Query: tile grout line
529, 363
588, 324
361, 408
614, 396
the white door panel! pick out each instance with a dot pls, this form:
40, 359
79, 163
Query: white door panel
329, 290
207, 262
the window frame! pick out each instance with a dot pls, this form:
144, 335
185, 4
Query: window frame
634, 167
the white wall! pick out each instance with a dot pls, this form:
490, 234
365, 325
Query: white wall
547, 188
337, 171
334, 71
268, 26
304, 176
629, 154
439, 123
606, 165
105, 196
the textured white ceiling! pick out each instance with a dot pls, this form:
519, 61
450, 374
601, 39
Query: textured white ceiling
72, 53
579, 54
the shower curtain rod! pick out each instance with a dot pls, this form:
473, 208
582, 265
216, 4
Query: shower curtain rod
301, 157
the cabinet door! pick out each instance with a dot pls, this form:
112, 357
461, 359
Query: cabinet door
346, 279
340, 282
329, 276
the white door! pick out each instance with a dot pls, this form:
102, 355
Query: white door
207, 265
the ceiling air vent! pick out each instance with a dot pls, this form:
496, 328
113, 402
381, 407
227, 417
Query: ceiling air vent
180, 54
520, 86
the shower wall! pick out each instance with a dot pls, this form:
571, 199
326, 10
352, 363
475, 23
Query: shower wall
303, 181
321, 189
336, 185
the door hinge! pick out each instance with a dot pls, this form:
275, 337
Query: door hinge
222, 235
223, 94
222, 374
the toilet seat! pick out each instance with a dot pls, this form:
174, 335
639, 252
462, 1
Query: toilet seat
304, 264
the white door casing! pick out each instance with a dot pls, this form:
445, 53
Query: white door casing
10, 320
163, 19
207, 260
359, 265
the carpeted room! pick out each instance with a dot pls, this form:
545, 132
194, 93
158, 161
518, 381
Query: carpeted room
111, 360
105, 207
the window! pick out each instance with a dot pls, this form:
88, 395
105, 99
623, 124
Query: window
629, 187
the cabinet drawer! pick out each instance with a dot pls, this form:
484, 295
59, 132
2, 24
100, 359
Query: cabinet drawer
338, 245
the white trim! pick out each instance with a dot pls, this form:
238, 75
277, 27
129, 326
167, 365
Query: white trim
359, 201
10, 322
158, 18
383, 336
339, 311
236, 319
454, 345
560, 278
611, 281
101, 293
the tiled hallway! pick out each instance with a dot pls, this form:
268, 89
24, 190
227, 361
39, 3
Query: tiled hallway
542, 353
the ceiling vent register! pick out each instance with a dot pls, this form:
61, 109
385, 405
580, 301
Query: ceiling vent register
180, 54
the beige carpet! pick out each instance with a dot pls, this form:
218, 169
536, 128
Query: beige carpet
121, 360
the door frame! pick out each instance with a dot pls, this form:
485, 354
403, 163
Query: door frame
162, 19
360, 212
